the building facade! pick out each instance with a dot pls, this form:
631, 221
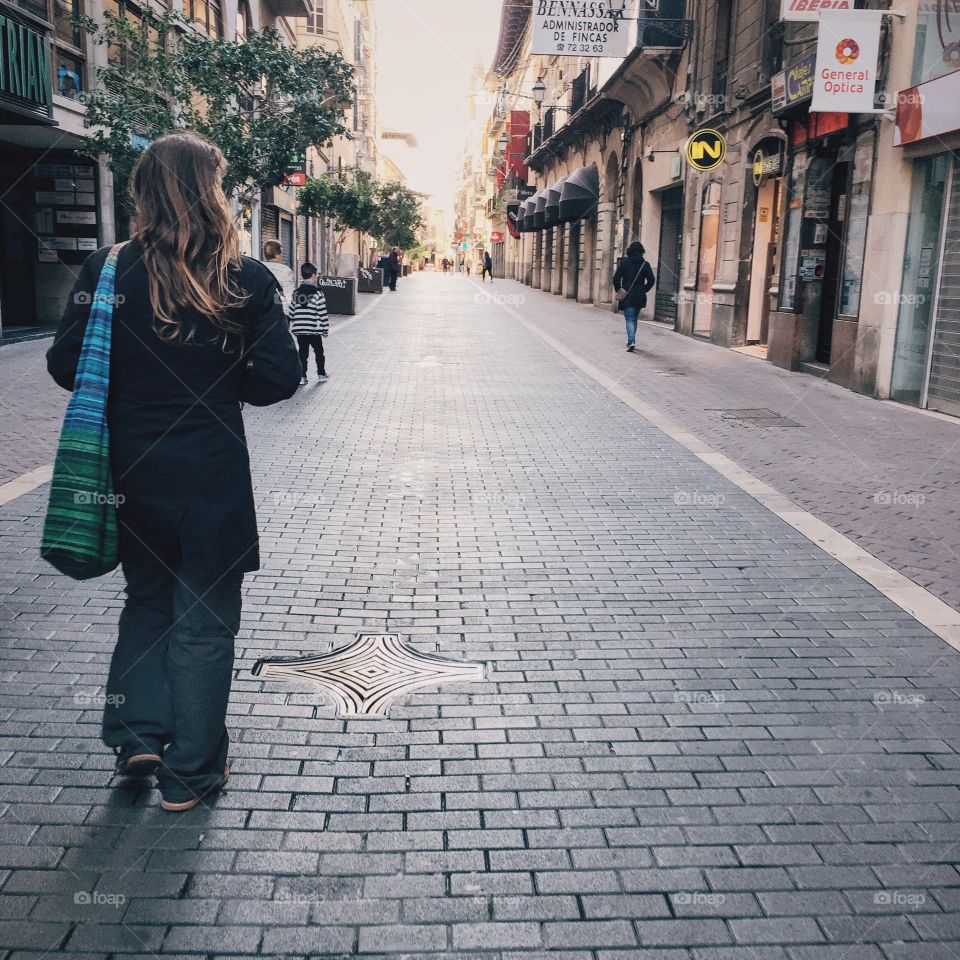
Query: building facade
822, 241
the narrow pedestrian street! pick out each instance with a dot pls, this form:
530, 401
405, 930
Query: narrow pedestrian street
698, 735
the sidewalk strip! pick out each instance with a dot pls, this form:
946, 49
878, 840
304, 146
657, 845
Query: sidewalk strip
938, 617
29, 481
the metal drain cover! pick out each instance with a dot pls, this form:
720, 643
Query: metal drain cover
366, 676
756, 417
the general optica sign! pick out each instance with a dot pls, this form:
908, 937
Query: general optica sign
848, 46
575, 28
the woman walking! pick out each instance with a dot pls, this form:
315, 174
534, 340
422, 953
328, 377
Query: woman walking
632, 281
196, 331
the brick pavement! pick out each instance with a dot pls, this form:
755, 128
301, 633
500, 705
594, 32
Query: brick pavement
886, 477
700, 738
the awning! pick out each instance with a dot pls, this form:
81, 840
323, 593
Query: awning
539, 210
580, 194
521, 217
552, 210
527, 211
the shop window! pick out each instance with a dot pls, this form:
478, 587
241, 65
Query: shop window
793, 224
918, 282
937, 44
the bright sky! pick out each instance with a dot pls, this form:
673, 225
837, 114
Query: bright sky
427, 50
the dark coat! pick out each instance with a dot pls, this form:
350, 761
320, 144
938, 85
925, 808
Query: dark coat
178, 451
628, 270
393, 262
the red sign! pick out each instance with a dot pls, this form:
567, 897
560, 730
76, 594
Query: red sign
295, 179
496, 236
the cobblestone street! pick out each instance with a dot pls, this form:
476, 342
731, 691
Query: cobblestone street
699, 737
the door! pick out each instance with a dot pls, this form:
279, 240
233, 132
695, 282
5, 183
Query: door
668, 267
763, 266
707, 264
286, 240
573, 260
831, 266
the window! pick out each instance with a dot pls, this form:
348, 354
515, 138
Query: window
937, 44
315, 20
207, 15
68, 50
721, 47
243, 20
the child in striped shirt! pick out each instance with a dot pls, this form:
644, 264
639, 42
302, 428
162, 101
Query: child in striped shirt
309, 321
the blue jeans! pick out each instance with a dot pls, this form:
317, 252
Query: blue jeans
630, 316
170, 674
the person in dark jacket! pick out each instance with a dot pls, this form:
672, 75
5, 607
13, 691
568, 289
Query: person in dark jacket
487, 266
197, 331
634, 275
393, 267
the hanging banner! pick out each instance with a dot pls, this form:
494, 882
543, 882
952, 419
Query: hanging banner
576, 28
848, 46
808, 10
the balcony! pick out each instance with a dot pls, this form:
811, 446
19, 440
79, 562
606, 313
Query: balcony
290, 8
663, 34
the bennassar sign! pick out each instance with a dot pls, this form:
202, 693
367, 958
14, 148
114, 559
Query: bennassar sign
580, 28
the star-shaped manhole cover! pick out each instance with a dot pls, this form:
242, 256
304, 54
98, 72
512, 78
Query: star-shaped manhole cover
369, 674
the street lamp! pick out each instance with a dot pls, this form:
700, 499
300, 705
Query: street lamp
539, 91
503, 142
617, 7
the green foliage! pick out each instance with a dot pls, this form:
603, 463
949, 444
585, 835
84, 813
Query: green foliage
398, 215
261, 101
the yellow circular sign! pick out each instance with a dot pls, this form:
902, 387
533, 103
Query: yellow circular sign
706, 149
758, 168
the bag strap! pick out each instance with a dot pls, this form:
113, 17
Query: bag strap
94, 357
636, 276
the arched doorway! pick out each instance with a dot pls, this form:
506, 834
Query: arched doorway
608, 235
636, 209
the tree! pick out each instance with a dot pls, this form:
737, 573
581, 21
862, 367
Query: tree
348, 202
262, 102
398, 215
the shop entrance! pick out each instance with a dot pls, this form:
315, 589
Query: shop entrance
765, 257
668, 266
832, 258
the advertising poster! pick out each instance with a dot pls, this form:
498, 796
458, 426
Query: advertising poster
848, 45
581, 28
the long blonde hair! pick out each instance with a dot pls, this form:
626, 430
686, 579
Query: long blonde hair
184, 226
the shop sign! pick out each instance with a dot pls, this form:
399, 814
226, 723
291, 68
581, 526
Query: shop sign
496, 236
928, 110
765, 165
296, 172
848, 45
576, 28
793, 86
808, 10
24, 67
706, 149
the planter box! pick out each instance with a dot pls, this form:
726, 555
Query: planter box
370, 280
341, 294
784, 335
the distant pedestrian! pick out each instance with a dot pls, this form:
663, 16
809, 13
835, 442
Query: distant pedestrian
468, 267
632, 281
309, 321
393, 267
196, 330
273, 261
487, 266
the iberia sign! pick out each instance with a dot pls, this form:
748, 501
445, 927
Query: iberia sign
577, 28
24, 68
811, 9
848, 45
